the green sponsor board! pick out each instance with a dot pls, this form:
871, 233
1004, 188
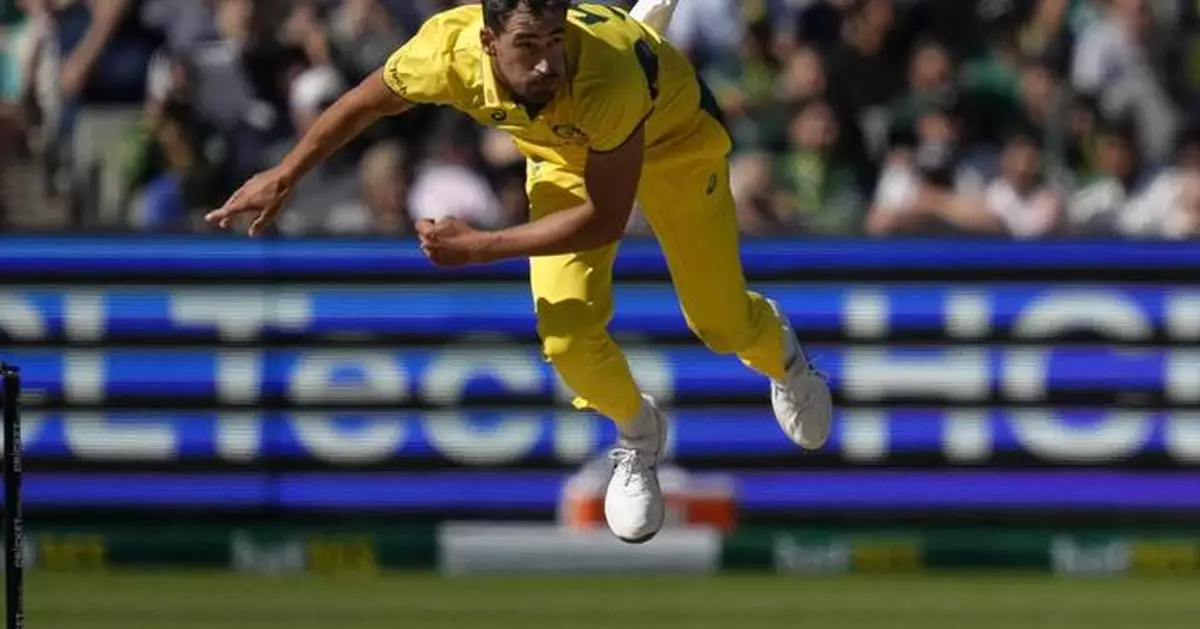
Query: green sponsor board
97, 549
818, 552
362, 551
841, 552
265, 549
367, 549
1162, 555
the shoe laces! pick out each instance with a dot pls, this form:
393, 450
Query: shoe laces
815, 370
633, 468
808, 365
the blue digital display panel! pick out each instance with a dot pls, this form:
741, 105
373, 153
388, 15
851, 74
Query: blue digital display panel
810, 491
776, 490
452, 375
77, 258
513, 437
869, 311
970, 347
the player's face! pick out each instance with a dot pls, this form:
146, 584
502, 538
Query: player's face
529, 56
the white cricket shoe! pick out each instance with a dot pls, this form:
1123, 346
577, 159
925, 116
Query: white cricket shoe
803, 404
633, 504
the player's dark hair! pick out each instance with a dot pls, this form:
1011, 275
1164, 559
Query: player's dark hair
497, 12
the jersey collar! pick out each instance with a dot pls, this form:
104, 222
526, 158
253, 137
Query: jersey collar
493, 93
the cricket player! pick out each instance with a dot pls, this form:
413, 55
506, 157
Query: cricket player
606, 113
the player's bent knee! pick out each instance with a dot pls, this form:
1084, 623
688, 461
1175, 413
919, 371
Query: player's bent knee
569, 328
583, 348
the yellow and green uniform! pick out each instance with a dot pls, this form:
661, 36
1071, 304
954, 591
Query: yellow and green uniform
621, 75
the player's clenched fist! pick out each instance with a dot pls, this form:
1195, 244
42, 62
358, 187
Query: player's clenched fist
263, 196
451, 242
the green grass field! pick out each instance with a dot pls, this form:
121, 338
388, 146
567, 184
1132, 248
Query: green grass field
212, 601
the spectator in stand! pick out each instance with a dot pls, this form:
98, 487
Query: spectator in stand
1119, 61
1170, 206
514, 201
925, 191
1096, 208
105, 53
967, 28
178, 163
1020, 196
818, 191
30, 75
803, 80
1043, 109
386, 181
329, 200
506, 169
931, 82
449, 182
356, 37
1046, 35
756, 195
241, 80
709, 29
817, 23
744, 85
362, 35
1188, 49
15, 37
931, 99
12, 141
865, 68
184, 24
803, 77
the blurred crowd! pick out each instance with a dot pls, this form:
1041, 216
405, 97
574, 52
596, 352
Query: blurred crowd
1017, 118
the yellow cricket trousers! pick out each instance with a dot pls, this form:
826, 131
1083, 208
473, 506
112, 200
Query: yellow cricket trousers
691, 210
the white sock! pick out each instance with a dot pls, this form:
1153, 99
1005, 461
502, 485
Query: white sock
641, 425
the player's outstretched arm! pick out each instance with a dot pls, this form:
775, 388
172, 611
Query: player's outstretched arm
612, 180
267, 192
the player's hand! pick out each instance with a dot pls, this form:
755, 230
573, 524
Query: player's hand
451, 242
263, 197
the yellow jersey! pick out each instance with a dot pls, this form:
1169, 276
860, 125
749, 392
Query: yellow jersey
621, 73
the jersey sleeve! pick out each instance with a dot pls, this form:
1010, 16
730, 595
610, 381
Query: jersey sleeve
615, 103
420, 70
